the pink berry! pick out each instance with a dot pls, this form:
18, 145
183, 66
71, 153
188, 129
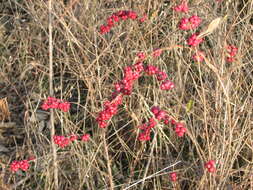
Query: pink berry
115, 18
161, 75
104, 29
143, 126
210, 166
193, 40
141, 55
161, 114
138, 67
73, 137
166, 120
15, 165
167, 85
211, 170
85, 137
190, 23
173, 176
144, 137
212, 162
152, 123
143, 19
24, 165
155, 110
151, 70
183, 7
132, 15
110, 22
173, 122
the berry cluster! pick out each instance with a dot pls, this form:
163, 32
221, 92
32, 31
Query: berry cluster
232, 51
155, 53
61, 141
16, 165
189, 23
73, 137
180, 129
161, 76
193, 40
85, 137
125, 87
173, 176
183, 7
167, 85
131, 74
117, 17
146, 130
161, 115
110, 109
210, 166
141, 56
55, 103
151, 70
64, 141
143, 18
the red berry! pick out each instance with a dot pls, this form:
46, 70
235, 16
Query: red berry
161, 75
85, 137
73, 137
141, 55
15, 165
151, 70
211, 170
155, 110
193, 40
24, 165
167, 85
152, 123
183, 7
144, 18
173, 176
210, 166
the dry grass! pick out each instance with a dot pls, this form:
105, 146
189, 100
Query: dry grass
86, 64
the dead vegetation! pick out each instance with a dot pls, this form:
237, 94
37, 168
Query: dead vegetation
213, 98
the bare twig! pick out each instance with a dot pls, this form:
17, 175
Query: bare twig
108, 163
51, 92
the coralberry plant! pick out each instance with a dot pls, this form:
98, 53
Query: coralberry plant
133, 72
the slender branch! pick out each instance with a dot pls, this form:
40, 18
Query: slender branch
51, 92
108, 163
149, 161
